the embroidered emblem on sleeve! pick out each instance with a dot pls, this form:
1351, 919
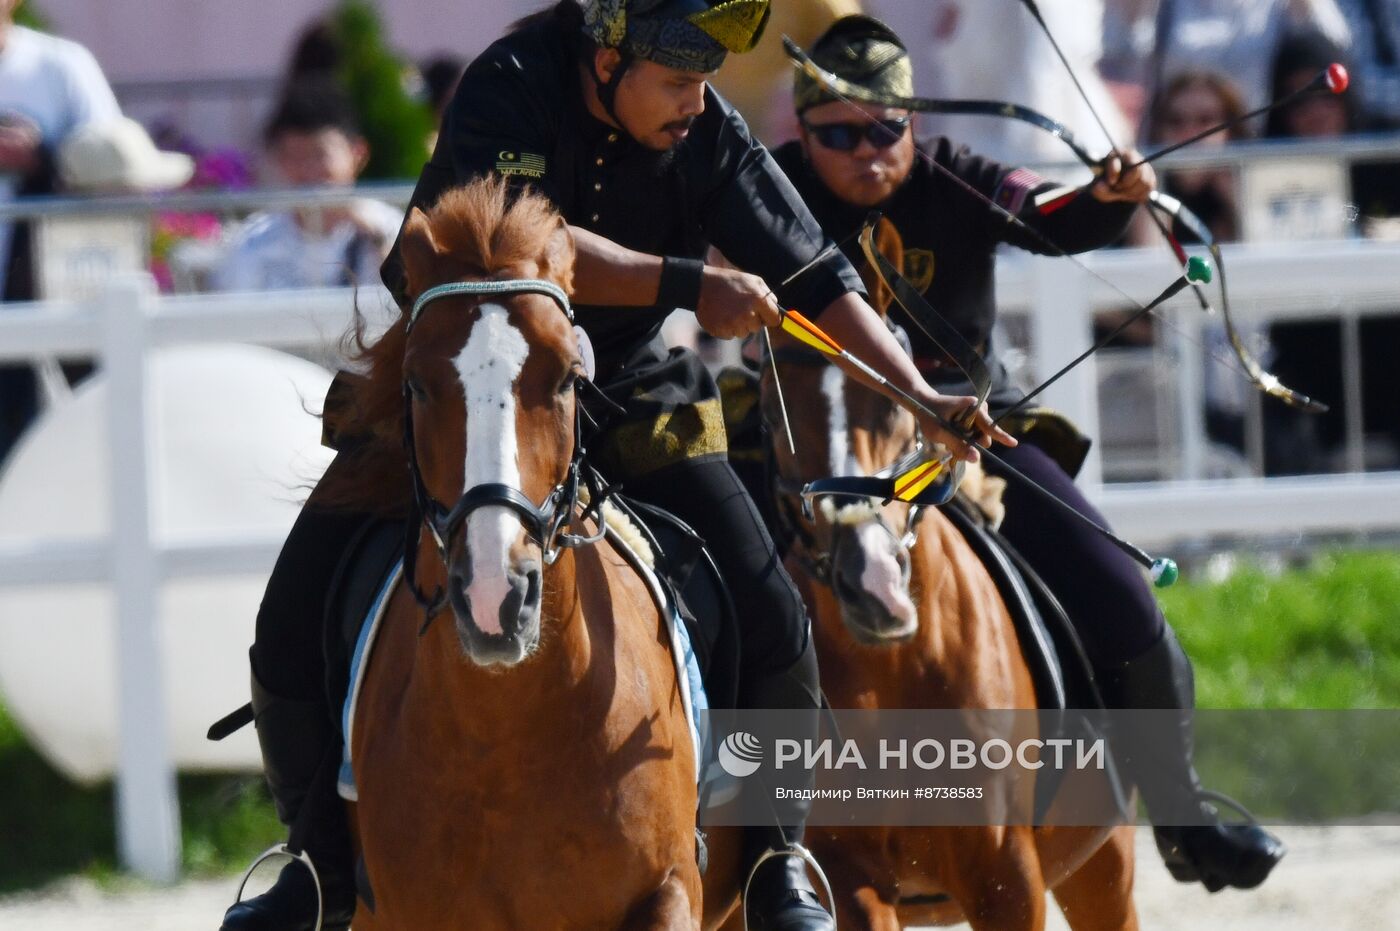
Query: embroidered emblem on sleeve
527, 164
1015, 186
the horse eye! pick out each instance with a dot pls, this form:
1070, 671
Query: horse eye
571, 378
415, 388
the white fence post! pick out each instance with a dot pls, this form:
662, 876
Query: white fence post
1190, 344
148, 817
1062, 326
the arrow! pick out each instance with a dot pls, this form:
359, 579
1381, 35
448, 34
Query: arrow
917, 479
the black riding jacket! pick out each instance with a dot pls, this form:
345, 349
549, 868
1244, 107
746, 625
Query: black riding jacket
520, 111
950, 238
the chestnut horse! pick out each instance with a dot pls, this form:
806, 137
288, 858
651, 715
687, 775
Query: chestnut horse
906, 616
524, 761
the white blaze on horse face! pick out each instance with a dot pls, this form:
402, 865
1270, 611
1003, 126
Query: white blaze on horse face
838, 444
883, 577
488, 366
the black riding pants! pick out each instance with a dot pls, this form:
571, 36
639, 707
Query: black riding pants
1103, 591
710, 498
288, 653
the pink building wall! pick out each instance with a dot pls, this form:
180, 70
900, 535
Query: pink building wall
192, 40
160, 39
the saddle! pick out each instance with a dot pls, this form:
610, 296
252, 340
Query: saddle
1060, 669
684, 567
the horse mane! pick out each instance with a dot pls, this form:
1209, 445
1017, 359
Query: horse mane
480, 230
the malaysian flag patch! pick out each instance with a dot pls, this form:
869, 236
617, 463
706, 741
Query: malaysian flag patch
1015, 186
520, 163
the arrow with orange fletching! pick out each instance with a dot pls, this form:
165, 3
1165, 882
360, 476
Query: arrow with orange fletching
910, 483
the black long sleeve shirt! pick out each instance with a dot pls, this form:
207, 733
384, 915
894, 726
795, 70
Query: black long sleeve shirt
520, 111
950, 237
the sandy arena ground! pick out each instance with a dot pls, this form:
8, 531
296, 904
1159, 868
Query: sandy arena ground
1338, 879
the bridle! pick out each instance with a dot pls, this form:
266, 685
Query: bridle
793, 497
544, 522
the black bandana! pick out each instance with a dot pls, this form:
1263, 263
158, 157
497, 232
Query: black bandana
862, 50
691, 35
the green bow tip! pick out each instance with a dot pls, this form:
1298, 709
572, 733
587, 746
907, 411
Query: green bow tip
1198, 270
1164, 572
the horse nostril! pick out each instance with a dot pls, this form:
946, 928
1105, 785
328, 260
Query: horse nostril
845, 590
533, 586
521, 603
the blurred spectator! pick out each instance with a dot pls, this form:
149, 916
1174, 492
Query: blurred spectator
995, 50
440, 76
1308, 354
1237, 37
759, 83
1192, 102
49, 88
1297, 62
319, 52
312, 139
1375, 58
348, 46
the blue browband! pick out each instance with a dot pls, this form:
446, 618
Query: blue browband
509, 286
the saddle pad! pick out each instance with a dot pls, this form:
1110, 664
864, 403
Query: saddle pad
1059, 669
692, 687
1037, 646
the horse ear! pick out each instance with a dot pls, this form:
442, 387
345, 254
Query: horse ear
559, 254
417, 247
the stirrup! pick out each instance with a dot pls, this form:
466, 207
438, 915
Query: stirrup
282, 850
792, 850
1220, 798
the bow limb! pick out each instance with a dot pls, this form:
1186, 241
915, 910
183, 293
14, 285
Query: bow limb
1159, 205
934, 324
1015, 111
838, 88
1263, 380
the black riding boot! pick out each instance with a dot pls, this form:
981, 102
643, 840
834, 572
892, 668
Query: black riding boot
778, 893
1195, 844
298, 745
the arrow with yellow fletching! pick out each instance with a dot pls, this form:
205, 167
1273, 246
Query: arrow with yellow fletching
910, 483
907, 485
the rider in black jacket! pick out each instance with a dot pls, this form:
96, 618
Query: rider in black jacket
605, 110
853, 157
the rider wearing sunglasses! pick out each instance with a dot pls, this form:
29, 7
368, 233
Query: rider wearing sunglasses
856, 156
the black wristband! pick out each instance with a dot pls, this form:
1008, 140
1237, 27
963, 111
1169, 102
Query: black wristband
680, 283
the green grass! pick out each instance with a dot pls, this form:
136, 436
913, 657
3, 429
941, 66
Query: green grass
1326, 636
52, 828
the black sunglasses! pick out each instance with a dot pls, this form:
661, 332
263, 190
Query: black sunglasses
845, 137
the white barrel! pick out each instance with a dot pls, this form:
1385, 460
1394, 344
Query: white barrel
235, 449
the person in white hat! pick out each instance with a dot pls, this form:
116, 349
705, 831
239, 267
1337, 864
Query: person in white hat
118, 157
49, 88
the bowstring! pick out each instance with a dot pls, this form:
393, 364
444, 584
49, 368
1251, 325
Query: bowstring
1055, 250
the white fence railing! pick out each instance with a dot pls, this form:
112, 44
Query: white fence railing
1346, 279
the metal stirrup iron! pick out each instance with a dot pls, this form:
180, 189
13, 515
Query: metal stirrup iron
282, 850
792, 850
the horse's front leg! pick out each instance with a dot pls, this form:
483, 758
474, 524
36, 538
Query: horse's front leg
997, 880
1099, 895
674, 906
